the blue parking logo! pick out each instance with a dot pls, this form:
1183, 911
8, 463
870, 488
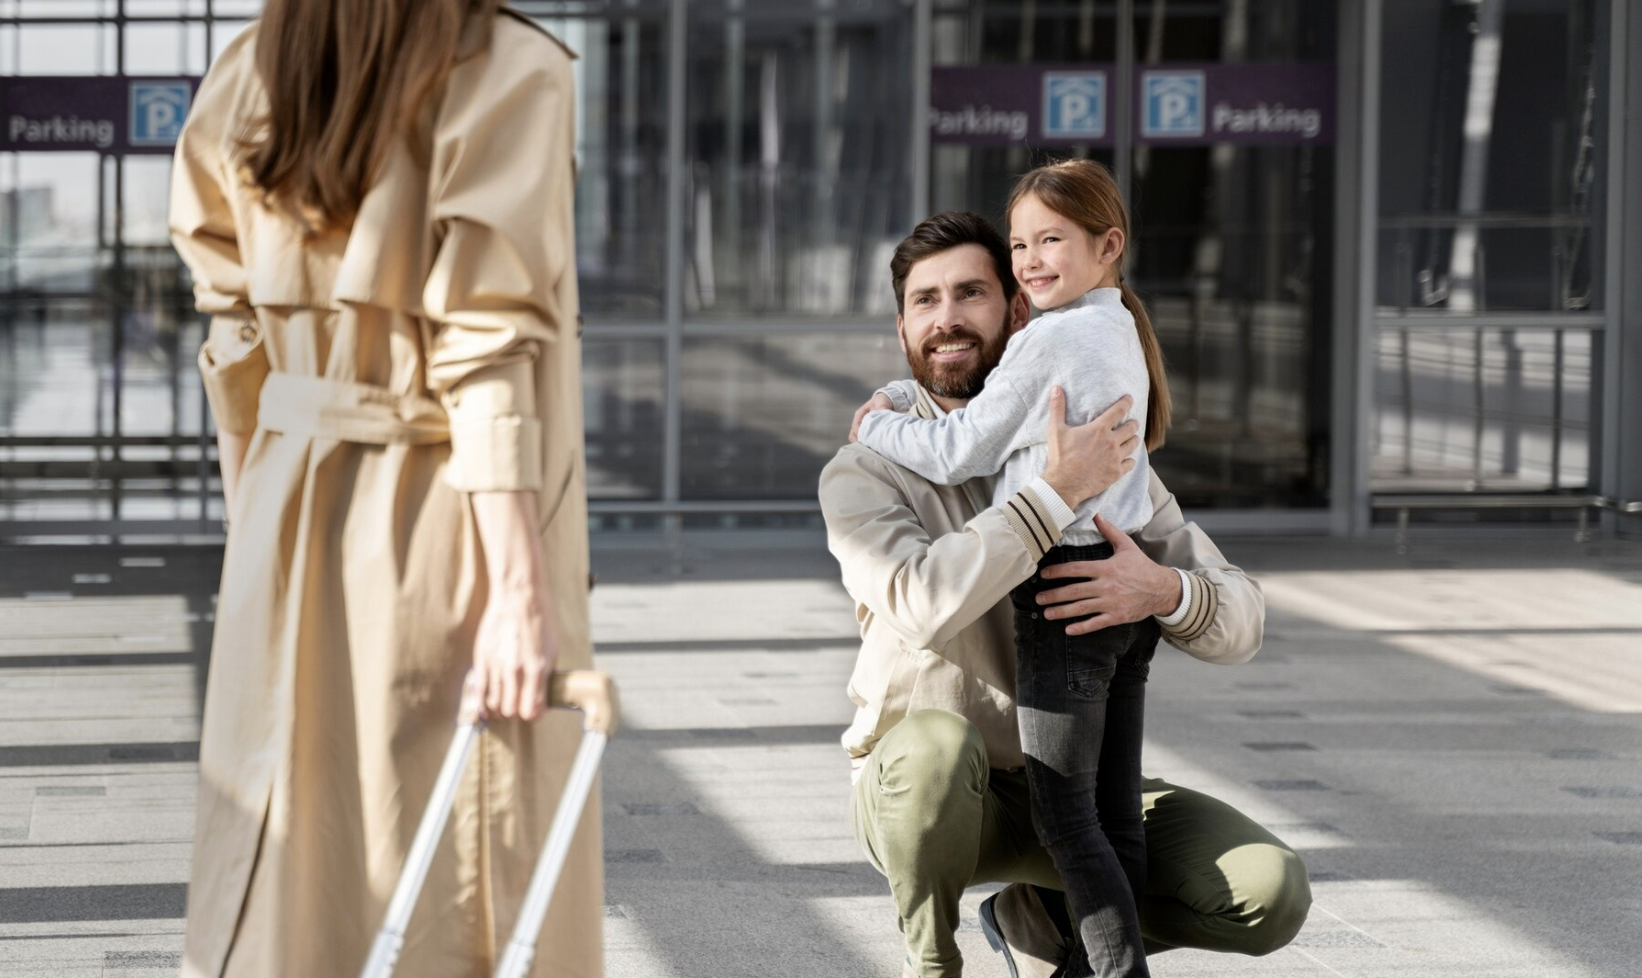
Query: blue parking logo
1172, 103
157, 112
1074, 104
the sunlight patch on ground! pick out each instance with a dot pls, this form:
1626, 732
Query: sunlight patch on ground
1572, 634
723, 610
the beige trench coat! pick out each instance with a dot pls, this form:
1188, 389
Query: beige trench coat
385, 372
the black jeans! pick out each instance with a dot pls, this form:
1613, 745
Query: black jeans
1080, 701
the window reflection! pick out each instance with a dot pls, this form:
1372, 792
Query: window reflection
1502, 410
621, 181
800, 177
621, 410
763, 413
1231, 257
1231, 246
48, 222
1490, 156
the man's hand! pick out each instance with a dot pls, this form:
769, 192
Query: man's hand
1125, 587
1085, 460
879, 402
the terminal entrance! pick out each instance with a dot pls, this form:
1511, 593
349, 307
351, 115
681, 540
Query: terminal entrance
1218, 120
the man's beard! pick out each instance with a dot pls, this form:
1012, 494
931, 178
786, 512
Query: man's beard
960, 381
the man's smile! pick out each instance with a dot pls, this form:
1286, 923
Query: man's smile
952, 350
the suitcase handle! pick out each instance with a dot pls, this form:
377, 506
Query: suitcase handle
589, 691
594, 694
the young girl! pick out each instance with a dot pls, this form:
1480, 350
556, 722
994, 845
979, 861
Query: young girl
1079, 697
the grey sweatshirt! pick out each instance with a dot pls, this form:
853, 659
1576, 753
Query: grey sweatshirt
1090, 348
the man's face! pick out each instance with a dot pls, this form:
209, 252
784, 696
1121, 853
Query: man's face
956, 321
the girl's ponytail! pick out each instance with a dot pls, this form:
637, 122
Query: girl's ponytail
1158, 407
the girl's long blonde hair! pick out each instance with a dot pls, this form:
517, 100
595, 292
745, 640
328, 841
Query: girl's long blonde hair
343, 80
1084, 193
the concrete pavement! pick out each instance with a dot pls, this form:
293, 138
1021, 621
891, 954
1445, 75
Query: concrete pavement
1451, 738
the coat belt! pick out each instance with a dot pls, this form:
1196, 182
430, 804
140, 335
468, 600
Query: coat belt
320, 407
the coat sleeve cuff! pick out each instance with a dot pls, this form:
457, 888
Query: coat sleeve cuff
1030, 518
495, 438
1203, 605
495, 455
233, 364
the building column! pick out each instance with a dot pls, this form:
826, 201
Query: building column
1620, 450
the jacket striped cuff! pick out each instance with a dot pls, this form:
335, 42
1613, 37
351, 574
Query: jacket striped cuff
1205, 604
1030, 519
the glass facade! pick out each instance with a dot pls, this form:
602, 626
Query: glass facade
1489, 239
799, 161
1231, 245
745, 170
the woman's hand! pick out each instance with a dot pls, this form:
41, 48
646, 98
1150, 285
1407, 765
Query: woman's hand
879, 402
518, 640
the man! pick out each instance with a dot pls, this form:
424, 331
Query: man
940, 800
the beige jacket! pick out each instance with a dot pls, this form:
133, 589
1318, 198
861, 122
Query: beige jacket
930, 568
382, 372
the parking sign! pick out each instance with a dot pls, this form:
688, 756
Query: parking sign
157, 112
1172, 103
1074, 104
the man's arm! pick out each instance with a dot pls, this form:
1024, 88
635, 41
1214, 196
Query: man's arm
1218, 616
926, 589
930, 589
1228, 622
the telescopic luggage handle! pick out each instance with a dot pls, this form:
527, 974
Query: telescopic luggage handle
594, 694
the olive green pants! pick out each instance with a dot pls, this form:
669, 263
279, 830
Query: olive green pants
935, 819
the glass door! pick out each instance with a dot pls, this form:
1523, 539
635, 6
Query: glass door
1218, 118
1488, 293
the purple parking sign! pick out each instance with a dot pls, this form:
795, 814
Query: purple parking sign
93, 114
1001, 105
1175, 104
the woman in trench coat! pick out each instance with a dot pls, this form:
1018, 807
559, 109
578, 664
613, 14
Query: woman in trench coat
396, 386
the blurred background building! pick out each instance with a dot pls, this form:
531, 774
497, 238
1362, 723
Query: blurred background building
1391, 246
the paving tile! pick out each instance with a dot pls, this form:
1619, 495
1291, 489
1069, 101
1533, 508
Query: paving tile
1335, 938
141, 960
1608, 791
64, 755
59, 903
676, 808
634, 856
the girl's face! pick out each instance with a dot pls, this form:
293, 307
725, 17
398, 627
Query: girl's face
1056, 260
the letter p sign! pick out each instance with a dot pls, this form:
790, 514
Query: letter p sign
1074, 104
1171, 103
157, 112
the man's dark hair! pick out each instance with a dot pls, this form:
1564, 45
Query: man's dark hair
944, 231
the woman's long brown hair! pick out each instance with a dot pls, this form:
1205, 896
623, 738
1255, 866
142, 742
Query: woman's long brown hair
343, 79
1084, 193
